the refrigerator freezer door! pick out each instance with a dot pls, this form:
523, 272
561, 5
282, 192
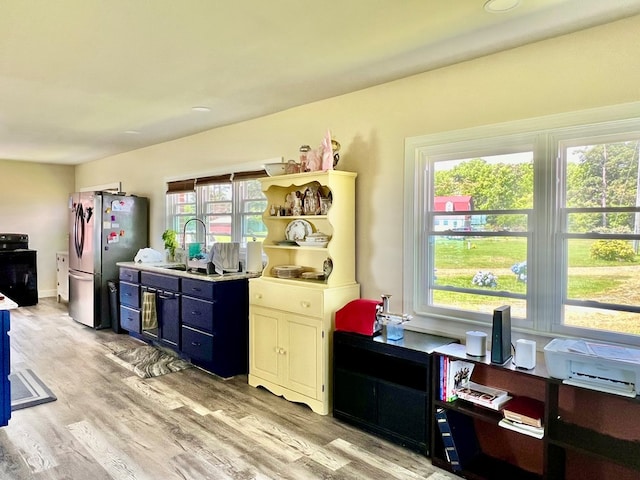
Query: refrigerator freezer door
82, 297
84, 231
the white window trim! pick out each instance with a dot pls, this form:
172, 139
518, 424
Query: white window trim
539, 329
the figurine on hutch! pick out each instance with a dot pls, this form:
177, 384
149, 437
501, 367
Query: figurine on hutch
324, 158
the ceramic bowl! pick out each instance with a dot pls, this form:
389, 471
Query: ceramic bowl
275, 169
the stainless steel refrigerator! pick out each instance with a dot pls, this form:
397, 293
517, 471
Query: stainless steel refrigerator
104, 229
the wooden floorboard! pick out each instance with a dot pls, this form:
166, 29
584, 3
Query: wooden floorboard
109, 424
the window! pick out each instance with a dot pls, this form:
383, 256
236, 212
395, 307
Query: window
599, 234
230, 207
544, 218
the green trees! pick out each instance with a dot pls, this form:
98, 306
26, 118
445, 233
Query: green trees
602, 175
605, 176
493, 186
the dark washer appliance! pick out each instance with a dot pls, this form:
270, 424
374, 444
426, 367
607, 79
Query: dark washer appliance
18, 271
104, 229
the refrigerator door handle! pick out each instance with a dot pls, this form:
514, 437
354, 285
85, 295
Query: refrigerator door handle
78, 230
83, 278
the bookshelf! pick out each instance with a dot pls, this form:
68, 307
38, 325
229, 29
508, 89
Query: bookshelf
588, 434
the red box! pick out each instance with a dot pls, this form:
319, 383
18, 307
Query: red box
358, 316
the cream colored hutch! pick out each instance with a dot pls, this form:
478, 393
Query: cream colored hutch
291, 320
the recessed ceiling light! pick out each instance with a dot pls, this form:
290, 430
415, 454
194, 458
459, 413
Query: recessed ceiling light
500, 6
201, 109
132, 132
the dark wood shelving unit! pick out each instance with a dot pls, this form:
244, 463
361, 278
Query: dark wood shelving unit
392, 390
486, 466
561, 436
384, 387
565, 436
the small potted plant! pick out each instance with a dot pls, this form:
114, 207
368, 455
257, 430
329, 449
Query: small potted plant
170, 244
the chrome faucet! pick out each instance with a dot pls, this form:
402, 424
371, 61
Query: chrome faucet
184, 238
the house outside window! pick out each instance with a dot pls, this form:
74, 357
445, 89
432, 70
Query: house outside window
553, 228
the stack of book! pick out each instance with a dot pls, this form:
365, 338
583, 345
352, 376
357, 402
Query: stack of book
489, 397
524, 415
453, 374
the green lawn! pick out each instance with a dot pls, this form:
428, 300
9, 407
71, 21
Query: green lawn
458, 260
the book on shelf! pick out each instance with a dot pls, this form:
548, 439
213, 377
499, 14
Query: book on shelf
458, 437
443, 377
489, 397
536, 432
453, 374
526, 410
458, 374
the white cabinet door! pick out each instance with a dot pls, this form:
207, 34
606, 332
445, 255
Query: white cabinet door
62, 267
302, 357
264, 351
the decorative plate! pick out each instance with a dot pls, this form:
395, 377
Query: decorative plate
287, 271
297, 230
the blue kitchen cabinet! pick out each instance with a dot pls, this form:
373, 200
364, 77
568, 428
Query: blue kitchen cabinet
215, 325
5, 386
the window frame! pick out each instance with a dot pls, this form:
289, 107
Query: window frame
544, 290
237, 201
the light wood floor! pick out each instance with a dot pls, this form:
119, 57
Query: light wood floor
109, 424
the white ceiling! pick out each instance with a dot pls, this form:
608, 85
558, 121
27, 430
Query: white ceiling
78, 76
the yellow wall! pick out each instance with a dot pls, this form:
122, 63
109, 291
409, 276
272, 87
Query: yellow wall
592, 68
33, 200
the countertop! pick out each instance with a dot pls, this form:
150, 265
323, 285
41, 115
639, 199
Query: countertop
166, 269
418, 341
6, 303
414, 346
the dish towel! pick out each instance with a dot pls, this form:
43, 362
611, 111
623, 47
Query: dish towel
149, 316
226, 257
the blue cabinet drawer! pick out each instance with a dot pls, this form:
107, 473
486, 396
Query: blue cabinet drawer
197, 313
198, 288
129, 319
130, 275
197, 344
157, 280
130, 294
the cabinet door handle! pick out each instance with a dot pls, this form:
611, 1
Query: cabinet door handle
258, 296
196, 344
193, 312
305, 304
